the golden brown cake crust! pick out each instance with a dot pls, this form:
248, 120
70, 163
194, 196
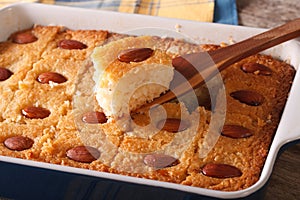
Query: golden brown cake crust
54, 135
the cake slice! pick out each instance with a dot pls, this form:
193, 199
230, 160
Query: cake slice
128, 73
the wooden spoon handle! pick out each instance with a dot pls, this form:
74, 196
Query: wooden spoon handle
199, 67
233, 53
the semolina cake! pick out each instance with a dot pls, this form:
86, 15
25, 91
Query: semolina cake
121, 82
60, 105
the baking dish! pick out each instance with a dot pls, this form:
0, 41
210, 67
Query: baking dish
21, 16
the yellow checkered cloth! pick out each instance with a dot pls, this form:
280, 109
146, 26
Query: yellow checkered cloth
199, 10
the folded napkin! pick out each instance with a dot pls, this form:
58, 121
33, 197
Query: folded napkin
220, 11
200, 10
226, 12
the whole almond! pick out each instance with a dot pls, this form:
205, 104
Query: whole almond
46, 77
221, 171
71, 44
135, 55
33, 112
94, 117
24, 37
85, 154
256, 68
236, 131
160, 160
4, 74
172, 125
251, 98
18, 143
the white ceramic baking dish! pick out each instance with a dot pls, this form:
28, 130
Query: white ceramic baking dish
21, 16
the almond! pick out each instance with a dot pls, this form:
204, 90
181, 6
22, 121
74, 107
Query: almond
85, 154
18, 143
33, 112
160, 160
46, 77
236, 131
221, 171
71, 44
172, 125
256, 68
94, 117
135, 55
24, 37
4, 74
248, 97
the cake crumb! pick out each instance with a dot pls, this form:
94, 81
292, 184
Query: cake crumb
178, 27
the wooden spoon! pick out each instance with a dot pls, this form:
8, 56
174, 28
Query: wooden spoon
200, 67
